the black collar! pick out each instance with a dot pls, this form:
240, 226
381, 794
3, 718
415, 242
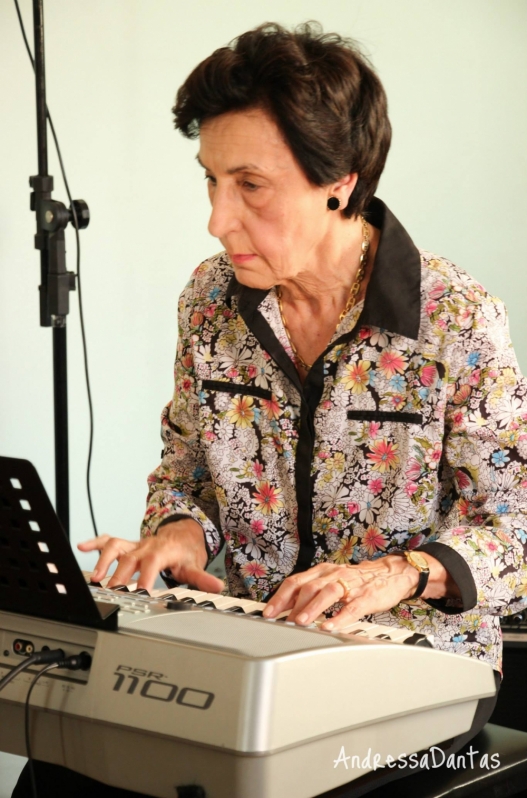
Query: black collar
394, 291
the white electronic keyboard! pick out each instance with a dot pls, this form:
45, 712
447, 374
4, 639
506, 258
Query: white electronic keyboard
191, 690
199, 689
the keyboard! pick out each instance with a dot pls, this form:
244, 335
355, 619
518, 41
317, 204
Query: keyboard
199, 689
138, 602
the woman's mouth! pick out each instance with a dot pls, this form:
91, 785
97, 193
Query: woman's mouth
239, 258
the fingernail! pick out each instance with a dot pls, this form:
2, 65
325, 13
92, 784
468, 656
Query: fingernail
302, 618
268, 612
327, 626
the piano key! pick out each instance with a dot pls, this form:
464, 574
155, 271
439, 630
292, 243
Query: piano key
182, 592
418, 640
219, 601
178, 606
234, 608
140, 591
121, 589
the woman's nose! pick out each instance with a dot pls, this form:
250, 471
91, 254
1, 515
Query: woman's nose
224, 217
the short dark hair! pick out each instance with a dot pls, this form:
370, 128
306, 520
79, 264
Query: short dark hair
320, 90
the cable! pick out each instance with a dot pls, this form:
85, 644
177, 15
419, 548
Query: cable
81, 312
76, 662
26, 726
39, 658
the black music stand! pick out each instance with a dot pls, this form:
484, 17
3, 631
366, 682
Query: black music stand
39, 574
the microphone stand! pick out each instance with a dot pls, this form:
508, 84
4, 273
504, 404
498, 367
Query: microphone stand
56, 282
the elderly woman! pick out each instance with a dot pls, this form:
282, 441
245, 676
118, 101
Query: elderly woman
348, 418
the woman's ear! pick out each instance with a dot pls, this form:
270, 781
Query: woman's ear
343, 188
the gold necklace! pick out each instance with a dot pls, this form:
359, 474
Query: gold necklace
354, 290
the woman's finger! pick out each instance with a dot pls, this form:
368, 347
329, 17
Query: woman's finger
94, 543
350, 613
128, 565
113, 550
305, 612
285, 596
197, 577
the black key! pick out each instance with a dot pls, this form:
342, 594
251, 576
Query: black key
120, 588
189, 600
165, 597
178, 606
234, 608
281, 620
94, 584
205, 604
256, 613
140, 591
418, 640
383, 637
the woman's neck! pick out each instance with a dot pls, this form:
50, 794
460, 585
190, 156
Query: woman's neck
323, 287
311, 304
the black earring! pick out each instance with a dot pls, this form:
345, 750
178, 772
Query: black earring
333, 203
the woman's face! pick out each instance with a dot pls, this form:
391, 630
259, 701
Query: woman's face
272, 221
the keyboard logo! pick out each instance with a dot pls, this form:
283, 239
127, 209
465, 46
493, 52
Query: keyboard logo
148, 684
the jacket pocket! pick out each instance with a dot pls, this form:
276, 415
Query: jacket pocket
232, 387
385, 415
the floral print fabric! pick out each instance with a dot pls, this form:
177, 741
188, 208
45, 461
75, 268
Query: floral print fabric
417, 441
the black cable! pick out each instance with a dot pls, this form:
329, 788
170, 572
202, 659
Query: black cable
81, 312
39, 658
76, 662
26, 726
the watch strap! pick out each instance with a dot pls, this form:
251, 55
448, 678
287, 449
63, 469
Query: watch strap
424, 573
421, 585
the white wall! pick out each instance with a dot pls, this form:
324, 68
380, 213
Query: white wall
456, 77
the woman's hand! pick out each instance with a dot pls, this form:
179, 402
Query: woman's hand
179, 546
371, 586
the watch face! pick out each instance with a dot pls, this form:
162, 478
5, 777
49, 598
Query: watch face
418, 560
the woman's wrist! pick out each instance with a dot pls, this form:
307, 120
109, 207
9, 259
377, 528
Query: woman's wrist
440, 584
188, 532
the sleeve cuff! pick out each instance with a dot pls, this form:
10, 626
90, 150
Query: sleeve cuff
461, 574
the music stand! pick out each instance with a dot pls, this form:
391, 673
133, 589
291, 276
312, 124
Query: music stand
39, 574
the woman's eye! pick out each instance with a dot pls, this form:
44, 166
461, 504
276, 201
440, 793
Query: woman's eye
211, 179
250, 186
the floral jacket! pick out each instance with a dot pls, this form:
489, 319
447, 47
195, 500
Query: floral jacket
410, 432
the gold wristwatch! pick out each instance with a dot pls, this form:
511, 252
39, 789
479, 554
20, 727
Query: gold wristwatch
421, 563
